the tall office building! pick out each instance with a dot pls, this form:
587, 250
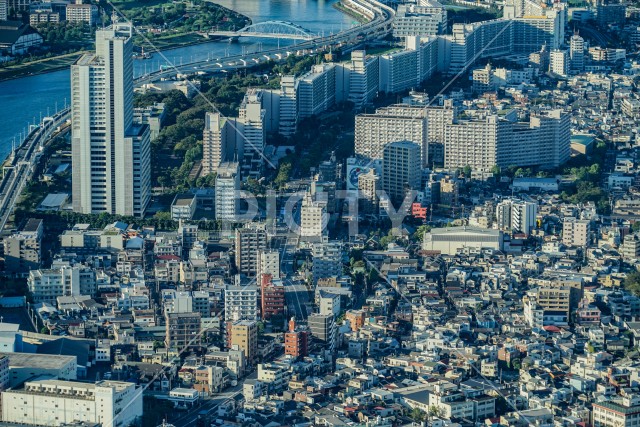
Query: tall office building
516, 215
401, 169
227, 188
395, 123
110, 153
576, 53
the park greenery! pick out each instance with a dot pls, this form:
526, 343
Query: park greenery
182, 17
179, 146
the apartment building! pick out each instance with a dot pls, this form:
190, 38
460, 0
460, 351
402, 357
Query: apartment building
56, 402
296, 340
227, 191
323, 328
483, 143
313, 218
268, 262
219, 141
272, 297
401, 171
516, 216
61, 280
316, 90
327, 259
251, 119
241, 303
559, 62
110, 153
576, 232
82, 12
183, 330
22, 250
420, 20
249, 242
623, 412
396, 123
243, 336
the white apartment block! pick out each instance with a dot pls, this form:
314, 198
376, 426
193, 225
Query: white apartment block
363, 78
327, 259
623, 412
516, 215
313, 218
110, 153
249, 241
241, 303
219, 141
316, 90
407, 69
576, 53
396, 123
496, 141
268, 263
252, 125
288, 107
47, 285
418, 20
576, 232
227, 188
56, 402
79, 12
401, 169
559, 62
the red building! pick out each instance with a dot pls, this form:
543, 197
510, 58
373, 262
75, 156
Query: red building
296, 341
272, 297
418, 211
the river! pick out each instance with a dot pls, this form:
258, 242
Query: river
23, 101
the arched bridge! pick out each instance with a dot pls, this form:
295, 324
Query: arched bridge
269, 29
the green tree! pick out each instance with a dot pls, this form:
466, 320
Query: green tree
467, 171
418, 235
418, 415
284, 172
632, 282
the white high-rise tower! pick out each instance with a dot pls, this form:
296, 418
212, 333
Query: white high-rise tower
111, 170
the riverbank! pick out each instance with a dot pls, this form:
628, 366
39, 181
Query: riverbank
348, 11
40, 66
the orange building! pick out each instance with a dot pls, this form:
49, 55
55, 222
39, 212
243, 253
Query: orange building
272, 297
356, 319
296, 341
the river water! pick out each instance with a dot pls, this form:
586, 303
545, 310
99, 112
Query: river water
24, 101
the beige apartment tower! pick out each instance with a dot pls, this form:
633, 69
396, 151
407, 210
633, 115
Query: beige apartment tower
110, 153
